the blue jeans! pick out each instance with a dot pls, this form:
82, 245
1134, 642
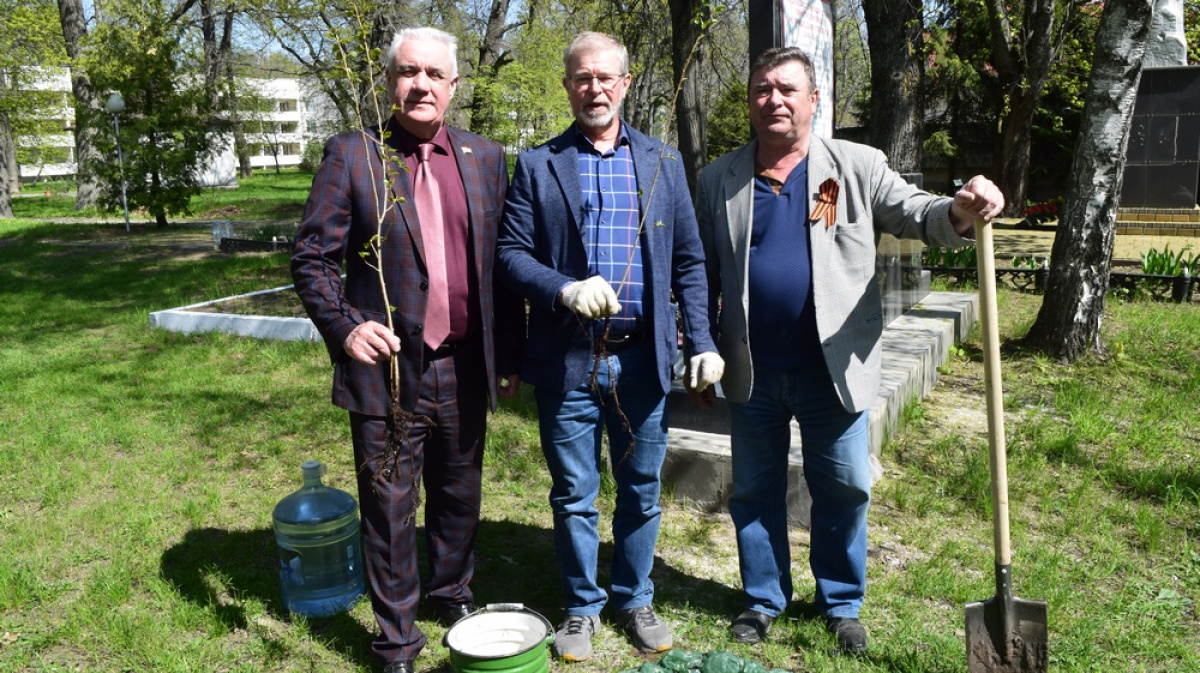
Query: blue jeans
837, 469
571, 425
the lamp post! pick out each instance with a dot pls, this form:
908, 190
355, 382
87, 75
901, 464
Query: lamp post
115, 105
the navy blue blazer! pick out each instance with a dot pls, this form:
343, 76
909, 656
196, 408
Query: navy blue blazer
541, 248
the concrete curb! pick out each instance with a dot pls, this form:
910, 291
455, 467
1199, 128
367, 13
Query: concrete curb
187, 320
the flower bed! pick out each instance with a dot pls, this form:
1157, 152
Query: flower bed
1043, 213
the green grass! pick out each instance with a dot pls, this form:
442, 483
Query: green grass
139, 468
263, 196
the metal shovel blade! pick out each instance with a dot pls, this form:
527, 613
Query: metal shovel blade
1007, 638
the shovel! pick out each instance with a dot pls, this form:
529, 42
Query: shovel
1004, 633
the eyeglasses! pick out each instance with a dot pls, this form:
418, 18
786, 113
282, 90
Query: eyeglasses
606, 82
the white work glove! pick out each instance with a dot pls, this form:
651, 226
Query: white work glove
704, 370
591, 298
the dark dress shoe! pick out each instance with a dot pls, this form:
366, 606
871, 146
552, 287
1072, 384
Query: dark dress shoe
751, 626
850, 634
448, 614
400, 667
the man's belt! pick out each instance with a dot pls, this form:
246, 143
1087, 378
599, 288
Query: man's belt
445, 350
622, 341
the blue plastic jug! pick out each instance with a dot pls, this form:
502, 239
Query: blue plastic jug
320, 548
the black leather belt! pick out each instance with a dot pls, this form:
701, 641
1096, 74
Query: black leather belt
620, 342
445, 350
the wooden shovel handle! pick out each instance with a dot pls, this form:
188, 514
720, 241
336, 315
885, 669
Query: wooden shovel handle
985, 254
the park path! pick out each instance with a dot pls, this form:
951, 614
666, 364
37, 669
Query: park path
1127, 247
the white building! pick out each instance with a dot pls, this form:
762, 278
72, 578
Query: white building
53, 153
276, 135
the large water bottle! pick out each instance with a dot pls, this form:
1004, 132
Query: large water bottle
320, 549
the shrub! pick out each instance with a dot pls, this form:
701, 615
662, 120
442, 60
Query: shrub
1027, 262
314, 150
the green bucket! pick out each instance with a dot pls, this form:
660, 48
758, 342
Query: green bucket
502, 637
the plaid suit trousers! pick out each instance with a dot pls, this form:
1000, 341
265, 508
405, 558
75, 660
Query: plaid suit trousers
447, 456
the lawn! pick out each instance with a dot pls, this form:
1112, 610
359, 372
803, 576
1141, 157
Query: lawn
266, 195
139, 468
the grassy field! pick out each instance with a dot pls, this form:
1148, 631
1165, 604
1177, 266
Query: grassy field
139, 468
264, 196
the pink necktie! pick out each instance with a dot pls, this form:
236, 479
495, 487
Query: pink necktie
429, 214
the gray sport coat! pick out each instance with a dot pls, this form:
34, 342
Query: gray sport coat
872, 199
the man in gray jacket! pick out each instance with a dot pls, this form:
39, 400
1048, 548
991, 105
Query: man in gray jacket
790, 224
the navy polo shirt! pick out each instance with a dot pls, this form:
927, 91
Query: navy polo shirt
783, 319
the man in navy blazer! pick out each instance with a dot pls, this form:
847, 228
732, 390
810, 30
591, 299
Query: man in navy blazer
363, 214
598, 234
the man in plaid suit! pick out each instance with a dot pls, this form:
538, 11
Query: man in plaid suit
363, 214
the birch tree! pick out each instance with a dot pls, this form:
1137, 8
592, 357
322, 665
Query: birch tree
1068, 324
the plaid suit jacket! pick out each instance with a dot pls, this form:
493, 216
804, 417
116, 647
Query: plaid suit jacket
872, 199
340, 219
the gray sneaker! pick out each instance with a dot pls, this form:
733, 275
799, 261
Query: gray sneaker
573, 639
645, 629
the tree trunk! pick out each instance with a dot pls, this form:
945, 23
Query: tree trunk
1022, 61
1016, 139
373, 96
492, 58
687, 64
218, 50
11, 169
7, 147
894, 35
1068, 324
156, 188
240, 148
87, 106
